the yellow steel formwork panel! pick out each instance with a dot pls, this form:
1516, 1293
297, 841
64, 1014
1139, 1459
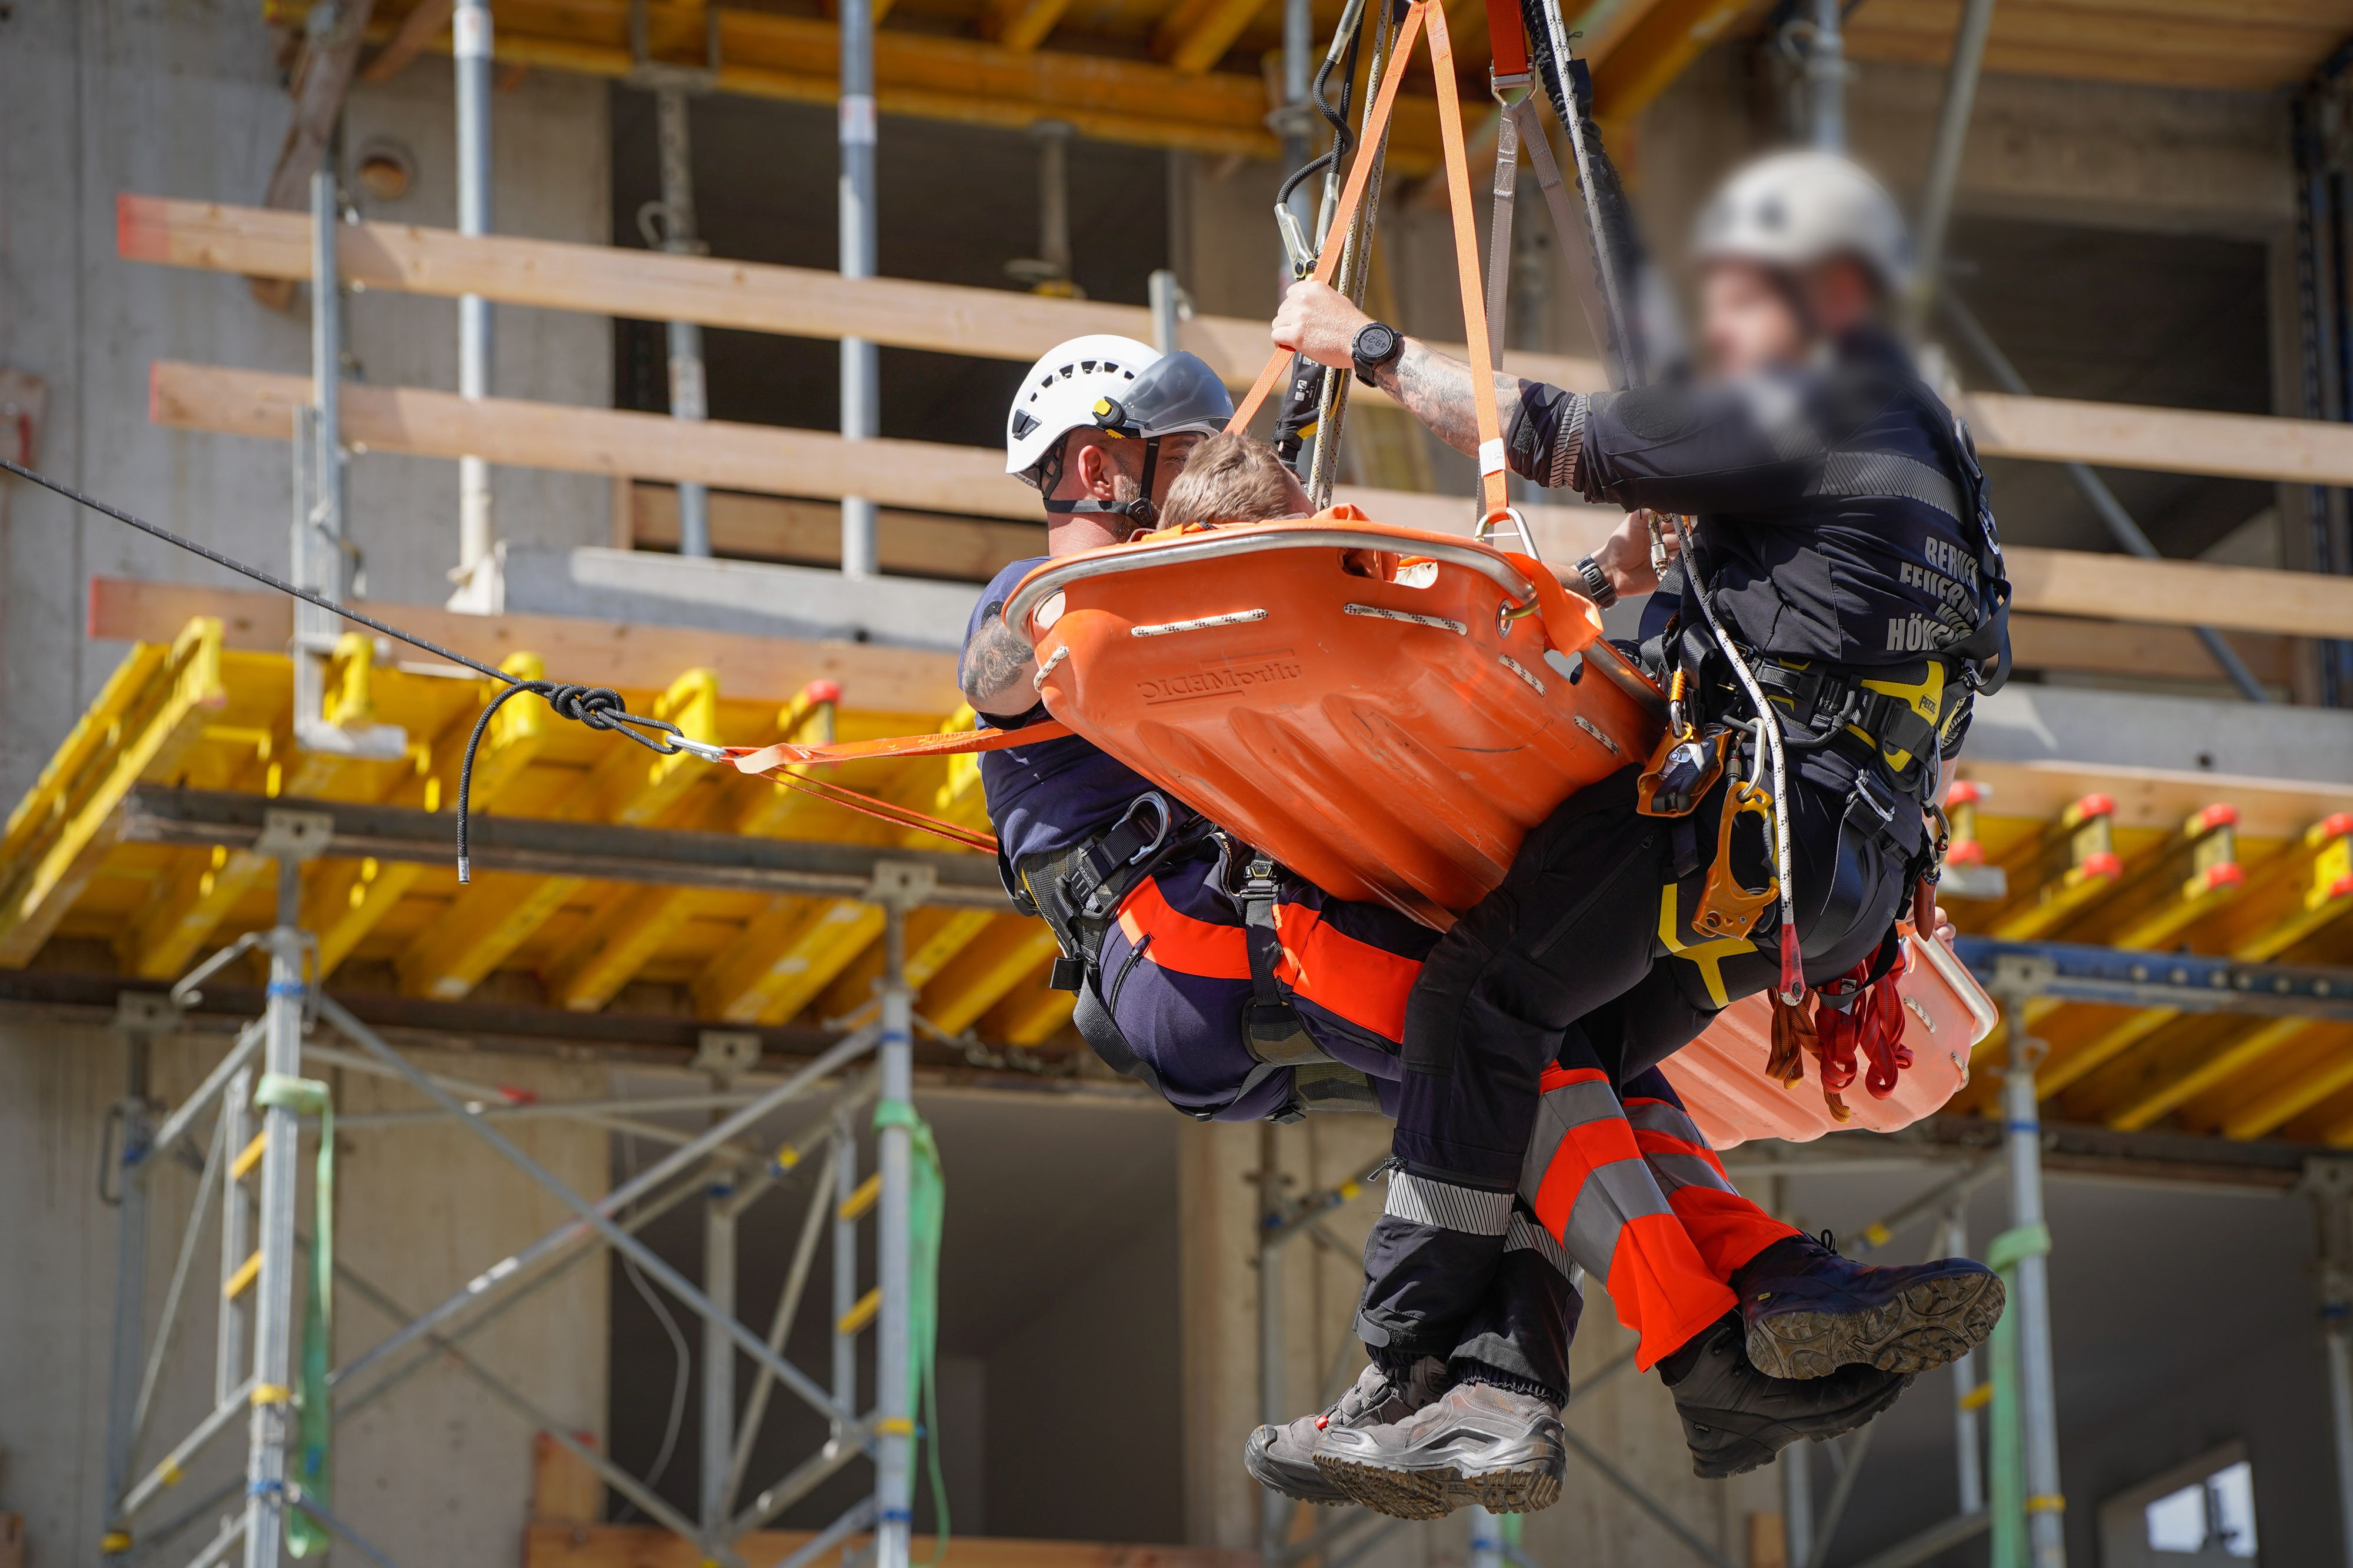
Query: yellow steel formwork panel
993, 963
792, 951
630, 785
142, 722
628, 926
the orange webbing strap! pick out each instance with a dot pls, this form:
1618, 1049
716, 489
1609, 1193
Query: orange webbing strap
1422, 13
1507, 37
1351, 195
779, 761
1492, 491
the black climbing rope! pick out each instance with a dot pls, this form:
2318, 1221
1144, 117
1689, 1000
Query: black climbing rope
597, 707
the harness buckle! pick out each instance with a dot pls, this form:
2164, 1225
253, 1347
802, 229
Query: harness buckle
1866, 790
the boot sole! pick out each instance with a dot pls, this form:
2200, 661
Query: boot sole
1437, 1491
1928, 1325
1755, 1454
1277, 1476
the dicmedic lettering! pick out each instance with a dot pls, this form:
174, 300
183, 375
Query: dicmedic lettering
1242, 673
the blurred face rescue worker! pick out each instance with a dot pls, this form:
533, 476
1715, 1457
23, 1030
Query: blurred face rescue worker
1843, 545
1233, 989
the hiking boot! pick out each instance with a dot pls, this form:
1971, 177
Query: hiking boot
1736, 1418
1477, 1444
1283, 1457
1809, 1311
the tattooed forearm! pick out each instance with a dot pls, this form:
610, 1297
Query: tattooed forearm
1438, 391
997, 670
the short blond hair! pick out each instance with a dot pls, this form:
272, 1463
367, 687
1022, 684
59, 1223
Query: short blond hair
1232, 478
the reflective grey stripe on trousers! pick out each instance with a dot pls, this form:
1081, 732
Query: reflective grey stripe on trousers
1612, 1195
1445, 1206
1657, 1116
1526, 1236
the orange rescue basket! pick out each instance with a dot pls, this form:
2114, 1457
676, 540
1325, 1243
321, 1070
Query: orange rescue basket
1388, 712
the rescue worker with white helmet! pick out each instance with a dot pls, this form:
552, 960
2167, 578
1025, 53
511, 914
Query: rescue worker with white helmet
1844, 561
1229, 986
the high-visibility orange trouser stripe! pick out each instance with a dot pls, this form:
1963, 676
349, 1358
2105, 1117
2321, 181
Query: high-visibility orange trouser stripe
1365, 985
1590, 1187
1727, 1229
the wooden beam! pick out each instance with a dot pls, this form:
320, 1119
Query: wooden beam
932, 75
778, 528
627, 657
2119, 647
2154, 797
649, 1546
968, 481
998, 323
427, 21
1021, 25
1195, 34
795, 301
2169, 440
1655, 51
321, 80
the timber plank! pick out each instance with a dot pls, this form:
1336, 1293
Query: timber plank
2154, 797
1000, 324
969, 480
587, 652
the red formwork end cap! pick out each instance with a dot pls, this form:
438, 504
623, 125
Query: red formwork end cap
1965, 792
2107, 864
822, 692
2221, 813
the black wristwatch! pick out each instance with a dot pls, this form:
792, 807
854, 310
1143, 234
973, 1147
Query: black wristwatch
1377, 344
1598, 586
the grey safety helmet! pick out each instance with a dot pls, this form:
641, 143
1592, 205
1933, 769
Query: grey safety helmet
1176, 394
1790, 211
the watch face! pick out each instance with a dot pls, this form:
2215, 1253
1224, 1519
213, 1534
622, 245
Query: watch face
1374, 343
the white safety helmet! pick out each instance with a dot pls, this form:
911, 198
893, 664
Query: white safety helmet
1059, 393
1793, 210
1122, 387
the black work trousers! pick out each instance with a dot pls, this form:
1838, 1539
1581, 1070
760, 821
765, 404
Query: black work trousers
1589, 931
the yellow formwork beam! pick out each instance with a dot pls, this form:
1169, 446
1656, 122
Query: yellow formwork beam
2077, 862
934, 937
1013, 948
793, 950
1030, 1012
2271, 1112
633, 923
343, 901
2319, 875
631, 787
143, 721
2228, 1058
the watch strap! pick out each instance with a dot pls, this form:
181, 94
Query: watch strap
1598, 586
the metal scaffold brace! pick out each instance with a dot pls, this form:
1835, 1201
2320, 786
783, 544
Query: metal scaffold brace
280, 1382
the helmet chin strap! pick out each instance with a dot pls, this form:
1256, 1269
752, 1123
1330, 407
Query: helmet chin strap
1140, 513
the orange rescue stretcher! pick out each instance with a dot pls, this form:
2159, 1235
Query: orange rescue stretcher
1389, 713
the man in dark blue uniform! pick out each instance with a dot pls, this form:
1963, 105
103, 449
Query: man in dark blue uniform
1845, 596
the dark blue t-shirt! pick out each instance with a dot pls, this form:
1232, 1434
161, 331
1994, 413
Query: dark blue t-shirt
1047, 796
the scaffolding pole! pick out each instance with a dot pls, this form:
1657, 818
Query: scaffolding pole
2025, 1250
861, 395
1275, 1509
688, 398
2331, 1183
718, 1353
470, 34
898, 889
270, 1430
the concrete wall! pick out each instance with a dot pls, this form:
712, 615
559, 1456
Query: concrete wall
100, 97
435, 1471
